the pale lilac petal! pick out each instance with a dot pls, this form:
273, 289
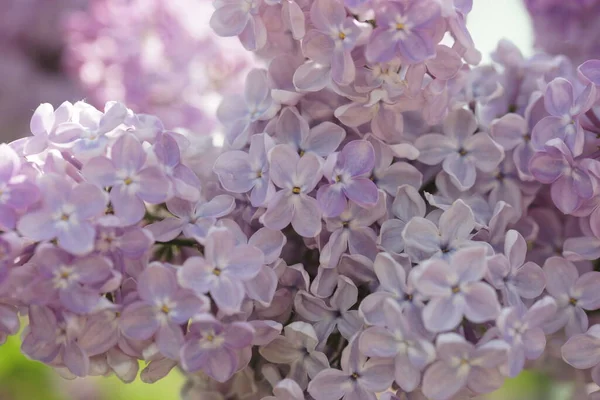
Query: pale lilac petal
442, 314
362, 191
558, 98
481, 302
582, 351
330, 384
441, 381
434, 148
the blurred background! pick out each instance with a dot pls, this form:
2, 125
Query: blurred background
159, 57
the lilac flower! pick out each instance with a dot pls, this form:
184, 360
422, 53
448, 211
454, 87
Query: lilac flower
349, 180
423, 239
184, 181
16, 192
297, 177
565, 109
286, 389
389, 175
240, 18
87, 137
222, 270
351, 232
67, 214
75, 282
514, 277
9, 321
455, 290
241, 116
460, 151
332, 40
43, 124
396, 339
162, 307
512, 133
394, 283
572, 180
240, 172
573, 295
123, 246
359, 378
407, 204
298, 350
52, 338
327, 318
582, 351
322, 139
131, 183
212, 346
404, 30
461, 364
521, 329
194, 220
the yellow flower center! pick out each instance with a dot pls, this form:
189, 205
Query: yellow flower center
296, 190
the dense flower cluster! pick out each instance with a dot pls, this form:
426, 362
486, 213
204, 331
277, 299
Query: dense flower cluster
566, 27
158, 57
382, 217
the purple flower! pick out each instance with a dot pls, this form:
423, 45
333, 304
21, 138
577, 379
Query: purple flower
423, 239
194, 220
323, 139
298, 350
460, 151
9, 321
349, 179
240, 18
43, 124
240, 172
407, 204
455, 290
241, 116
564, 109
297, 177
389, 175
16, 192
162, 308
461, 364
130, 182
512, 133
75, 282
521, 329
185, 183
359, 378
223, 269
67, 214
286, 389
404, 29
327, 318
352, 232
397, 340
332, 40
52, 338
514, 277
212, 346
394, 283
573, 295
572, 180
87, 137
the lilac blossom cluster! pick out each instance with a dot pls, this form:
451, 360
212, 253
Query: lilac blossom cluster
566, 27
382, 217
158, 57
